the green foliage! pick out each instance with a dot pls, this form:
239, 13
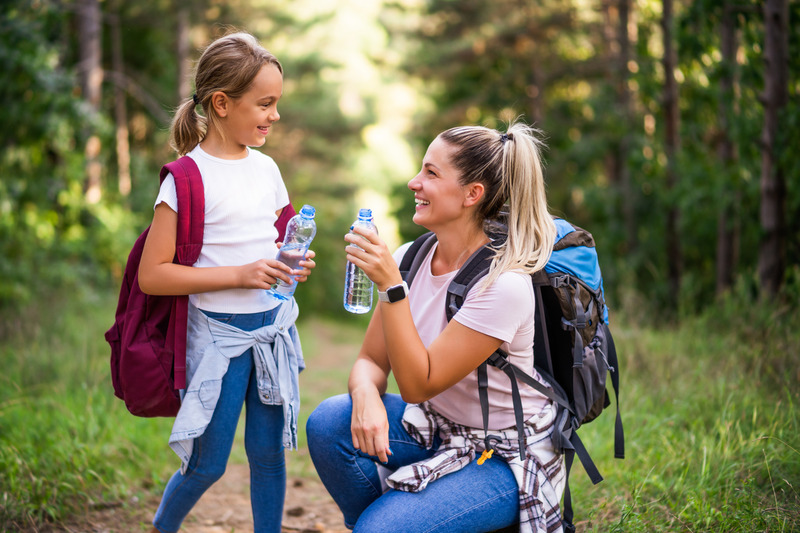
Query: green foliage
42, 217
711, 416
357, 116
62, 446
555, 64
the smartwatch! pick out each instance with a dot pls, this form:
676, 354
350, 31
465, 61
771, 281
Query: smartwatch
393, 294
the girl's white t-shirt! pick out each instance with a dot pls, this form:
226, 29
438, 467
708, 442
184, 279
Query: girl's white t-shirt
241, 199
505, 311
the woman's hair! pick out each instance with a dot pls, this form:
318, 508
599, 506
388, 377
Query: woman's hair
509, 165
229, 64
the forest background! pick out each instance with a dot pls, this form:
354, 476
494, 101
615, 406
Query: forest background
671, 127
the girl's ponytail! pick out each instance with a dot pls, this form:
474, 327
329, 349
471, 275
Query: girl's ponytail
188, 128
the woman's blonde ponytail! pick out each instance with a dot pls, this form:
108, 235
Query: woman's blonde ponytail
531, 231
509, 165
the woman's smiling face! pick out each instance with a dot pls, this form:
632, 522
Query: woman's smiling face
437, 192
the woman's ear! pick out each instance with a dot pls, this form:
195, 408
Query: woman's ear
474, 194
220, 103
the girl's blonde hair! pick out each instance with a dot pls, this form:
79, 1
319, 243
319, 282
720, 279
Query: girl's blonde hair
509, 165
229, 64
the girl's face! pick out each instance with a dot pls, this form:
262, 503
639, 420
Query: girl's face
250, 117
439, 196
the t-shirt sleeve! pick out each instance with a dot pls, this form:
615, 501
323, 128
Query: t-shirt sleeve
401, 252
503, 310
167, 193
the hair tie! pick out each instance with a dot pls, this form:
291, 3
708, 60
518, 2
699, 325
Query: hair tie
195, 99
504, 137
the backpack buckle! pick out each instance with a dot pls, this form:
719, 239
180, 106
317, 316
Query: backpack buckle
488, 448
498, 361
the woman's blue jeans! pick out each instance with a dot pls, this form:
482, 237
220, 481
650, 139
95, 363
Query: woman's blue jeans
473, 499
262, 440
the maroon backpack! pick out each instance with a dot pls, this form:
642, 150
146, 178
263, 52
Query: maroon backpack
148, 338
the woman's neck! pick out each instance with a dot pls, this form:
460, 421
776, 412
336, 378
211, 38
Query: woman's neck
455, 247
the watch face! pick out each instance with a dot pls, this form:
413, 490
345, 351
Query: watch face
396, 293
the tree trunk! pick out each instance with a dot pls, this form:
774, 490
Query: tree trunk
120, 109
91, 77
615, 31
726, 152
672, 147
624, 103
773, 184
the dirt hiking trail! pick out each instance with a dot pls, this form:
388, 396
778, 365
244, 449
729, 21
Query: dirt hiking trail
225, 508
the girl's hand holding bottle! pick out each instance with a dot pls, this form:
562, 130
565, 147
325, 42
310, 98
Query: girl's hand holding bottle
264, 273
306, 264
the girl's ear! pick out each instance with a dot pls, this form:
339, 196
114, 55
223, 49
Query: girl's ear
474, 193
220, 103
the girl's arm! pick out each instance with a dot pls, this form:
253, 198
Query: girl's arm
159, 275
368, 379
421, 372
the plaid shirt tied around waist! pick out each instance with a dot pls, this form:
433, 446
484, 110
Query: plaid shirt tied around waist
540, 476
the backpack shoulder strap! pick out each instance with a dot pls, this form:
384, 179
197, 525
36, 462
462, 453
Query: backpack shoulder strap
619, 434
414, 256
468, 275
191, 208
189, 241
286, 215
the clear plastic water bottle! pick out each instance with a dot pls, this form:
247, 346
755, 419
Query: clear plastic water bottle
357, 286
300, 231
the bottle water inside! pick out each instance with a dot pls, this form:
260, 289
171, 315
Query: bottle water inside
357, 286
300, 231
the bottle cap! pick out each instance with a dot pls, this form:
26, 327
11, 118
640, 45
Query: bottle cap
308, 211
365, 213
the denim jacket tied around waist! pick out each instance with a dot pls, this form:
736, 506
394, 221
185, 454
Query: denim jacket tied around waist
278, 359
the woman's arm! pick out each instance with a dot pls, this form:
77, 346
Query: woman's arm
421, 372
159, 275
368, 379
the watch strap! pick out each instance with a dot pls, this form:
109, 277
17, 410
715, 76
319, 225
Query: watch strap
394, 293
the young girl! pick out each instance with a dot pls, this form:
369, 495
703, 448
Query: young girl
242, 348
469, 177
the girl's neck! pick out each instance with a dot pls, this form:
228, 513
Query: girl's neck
455, 247
213, 144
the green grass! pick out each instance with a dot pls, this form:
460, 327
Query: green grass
710, 410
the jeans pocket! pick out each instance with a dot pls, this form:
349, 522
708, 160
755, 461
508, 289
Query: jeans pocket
209, 393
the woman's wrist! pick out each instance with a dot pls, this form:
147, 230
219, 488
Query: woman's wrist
383, 286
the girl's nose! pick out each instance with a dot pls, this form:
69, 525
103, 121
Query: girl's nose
413, 184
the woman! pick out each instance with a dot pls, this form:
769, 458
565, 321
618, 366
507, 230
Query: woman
427, 439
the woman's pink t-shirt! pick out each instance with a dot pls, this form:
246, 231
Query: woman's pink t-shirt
504, 311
